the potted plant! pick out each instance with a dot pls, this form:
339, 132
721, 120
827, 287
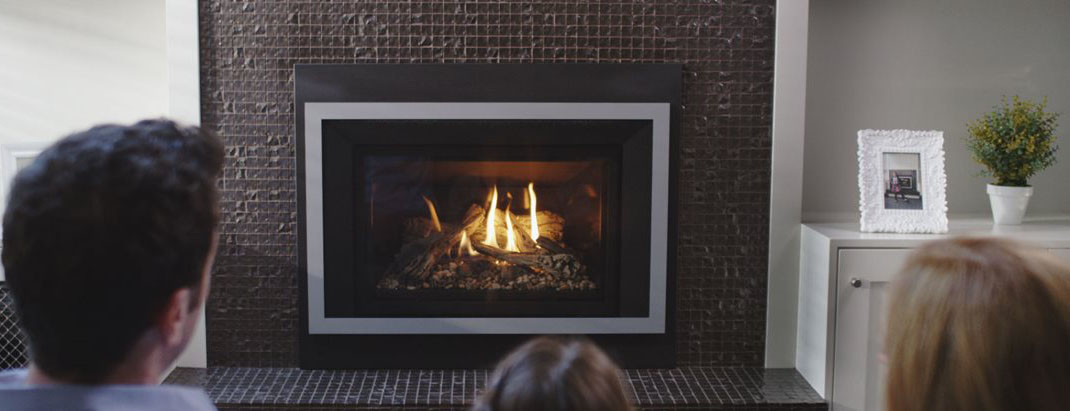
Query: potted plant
1013, 142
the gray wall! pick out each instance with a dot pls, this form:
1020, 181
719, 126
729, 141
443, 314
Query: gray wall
929, 64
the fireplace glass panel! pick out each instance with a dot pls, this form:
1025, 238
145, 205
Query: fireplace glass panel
409, 203
431, 234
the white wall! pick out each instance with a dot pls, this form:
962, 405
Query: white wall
902, 161
66, 65
928, 64
184, 106
785, 201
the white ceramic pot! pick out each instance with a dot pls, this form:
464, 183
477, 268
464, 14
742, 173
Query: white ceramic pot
1008, 203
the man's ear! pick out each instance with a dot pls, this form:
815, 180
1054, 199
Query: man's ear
172, 321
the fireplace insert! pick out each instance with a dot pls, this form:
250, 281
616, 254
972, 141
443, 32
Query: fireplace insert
439, 233
509, 218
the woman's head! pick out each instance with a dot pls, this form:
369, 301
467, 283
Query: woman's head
555, 374
979, 324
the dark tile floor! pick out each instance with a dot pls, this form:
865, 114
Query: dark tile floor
706, 388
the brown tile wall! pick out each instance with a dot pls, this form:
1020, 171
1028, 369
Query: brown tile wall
248, 49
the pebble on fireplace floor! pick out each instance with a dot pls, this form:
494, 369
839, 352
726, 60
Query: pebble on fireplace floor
486, 274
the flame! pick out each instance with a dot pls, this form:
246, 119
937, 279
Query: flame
510, 239
434, 214
491, 238
534, 220
465, 246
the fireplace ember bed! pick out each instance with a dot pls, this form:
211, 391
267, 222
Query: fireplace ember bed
519, 249
448, 212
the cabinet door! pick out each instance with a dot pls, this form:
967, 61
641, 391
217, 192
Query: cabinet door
862, 283
1062, 254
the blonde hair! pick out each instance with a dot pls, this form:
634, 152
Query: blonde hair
555, 374
979, 324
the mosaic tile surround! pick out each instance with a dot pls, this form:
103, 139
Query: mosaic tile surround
248, 49
682, 388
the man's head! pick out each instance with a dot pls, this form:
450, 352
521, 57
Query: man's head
107, 239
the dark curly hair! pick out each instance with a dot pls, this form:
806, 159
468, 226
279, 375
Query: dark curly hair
99, 231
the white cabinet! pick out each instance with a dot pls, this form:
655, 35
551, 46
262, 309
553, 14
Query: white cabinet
843, 290
861, 289
862, 280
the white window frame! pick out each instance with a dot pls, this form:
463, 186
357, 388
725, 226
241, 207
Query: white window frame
10, 154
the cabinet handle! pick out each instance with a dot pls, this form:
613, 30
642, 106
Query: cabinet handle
856, 283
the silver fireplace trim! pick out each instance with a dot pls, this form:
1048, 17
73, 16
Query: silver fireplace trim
654, 323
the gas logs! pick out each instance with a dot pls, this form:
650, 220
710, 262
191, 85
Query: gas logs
487, 250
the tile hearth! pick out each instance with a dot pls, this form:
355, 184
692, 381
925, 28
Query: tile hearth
678, 388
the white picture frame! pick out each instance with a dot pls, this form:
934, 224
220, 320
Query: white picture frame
901, 181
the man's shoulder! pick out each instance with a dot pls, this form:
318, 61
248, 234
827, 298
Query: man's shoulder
16, 395
13, 377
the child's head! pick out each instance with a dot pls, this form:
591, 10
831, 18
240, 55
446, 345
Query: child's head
555, 374
979, 324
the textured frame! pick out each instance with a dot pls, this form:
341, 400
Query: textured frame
872, 145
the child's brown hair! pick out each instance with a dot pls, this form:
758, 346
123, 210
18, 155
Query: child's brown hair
979, 324
555, 374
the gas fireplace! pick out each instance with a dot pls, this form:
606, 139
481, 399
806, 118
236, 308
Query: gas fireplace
519, 249
442, 224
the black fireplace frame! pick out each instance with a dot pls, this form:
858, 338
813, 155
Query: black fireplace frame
623, 295
480, 83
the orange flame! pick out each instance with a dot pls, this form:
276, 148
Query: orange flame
491, 238
510, 239
434, 214
465, 246
534, 220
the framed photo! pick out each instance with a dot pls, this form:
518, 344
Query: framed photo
901, 181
